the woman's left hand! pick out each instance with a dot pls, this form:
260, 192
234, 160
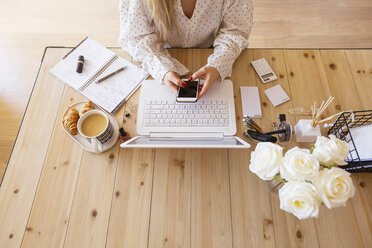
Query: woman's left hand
209, 74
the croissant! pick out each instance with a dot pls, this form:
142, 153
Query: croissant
70, 120
88, 106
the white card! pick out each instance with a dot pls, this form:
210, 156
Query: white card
277, 95
251, 101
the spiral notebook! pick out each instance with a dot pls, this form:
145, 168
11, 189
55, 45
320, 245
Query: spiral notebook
99, 62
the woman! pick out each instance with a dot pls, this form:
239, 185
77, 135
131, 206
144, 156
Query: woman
147, 27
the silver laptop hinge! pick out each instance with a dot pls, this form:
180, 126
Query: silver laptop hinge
186, 136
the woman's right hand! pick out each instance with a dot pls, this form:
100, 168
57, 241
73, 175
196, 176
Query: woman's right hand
173, 81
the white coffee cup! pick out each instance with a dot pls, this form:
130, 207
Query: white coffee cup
97, 141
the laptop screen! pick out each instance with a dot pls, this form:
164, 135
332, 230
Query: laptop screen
224, 142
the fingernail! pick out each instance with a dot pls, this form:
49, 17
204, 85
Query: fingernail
184, 85
190, 79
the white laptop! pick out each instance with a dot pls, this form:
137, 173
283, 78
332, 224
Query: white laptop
164, 123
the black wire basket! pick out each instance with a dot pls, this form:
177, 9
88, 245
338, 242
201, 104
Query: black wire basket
341, 129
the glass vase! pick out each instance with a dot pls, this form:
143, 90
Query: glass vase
273, 186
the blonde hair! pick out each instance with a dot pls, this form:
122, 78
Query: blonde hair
163, 16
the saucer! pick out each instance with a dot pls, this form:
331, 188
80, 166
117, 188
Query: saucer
83, 142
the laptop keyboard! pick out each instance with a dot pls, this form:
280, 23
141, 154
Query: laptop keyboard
203, 113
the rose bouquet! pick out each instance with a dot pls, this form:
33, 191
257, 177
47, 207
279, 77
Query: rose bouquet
310, 177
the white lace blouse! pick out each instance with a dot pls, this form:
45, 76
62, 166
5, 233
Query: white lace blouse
225, 24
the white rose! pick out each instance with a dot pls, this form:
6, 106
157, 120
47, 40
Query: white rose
330, 151
300, 199
299, 165
265, 160
335, 187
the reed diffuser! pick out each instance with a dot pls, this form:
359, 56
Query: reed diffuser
316, 113
308, 130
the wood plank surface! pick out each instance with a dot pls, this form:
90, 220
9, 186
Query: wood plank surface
210, 201
171, 199
362, 202
91, 207
342, 221
131, 200
304, 79
340, 83
276, 60
210, 195
289, 231
359, 77
338, 222
360, 63
252, 220
50, 212
243, 74
170, 224
130, 211
18, 188
304, 85
90, 212
59, 195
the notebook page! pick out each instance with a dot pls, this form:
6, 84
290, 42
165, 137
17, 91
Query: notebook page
95, 56
251, 104
112, 91
362, 137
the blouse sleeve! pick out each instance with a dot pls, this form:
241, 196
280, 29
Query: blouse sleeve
138, 38
232, 36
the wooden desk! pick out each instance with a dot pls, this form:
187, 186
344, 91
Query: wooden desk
55, 194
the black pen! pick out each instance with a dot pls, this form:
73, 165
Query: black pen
80, 63
111, 74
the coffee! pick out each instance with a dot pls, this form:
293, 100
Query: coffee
93, 125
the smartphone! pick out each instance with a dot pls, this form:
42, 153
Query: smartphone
189, 93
